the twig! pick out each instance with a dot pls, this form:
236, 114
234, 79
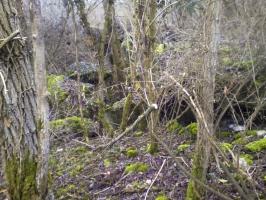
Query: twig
10, 37
84, 143
4, 83
130, 128
146, 195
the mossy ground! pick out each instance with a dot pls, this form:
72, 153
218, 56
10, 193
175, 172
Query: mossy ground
81, 173
77, 172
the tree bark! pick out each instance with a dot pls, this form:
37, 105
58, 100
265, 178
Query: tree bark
205, 96
21, 142
41, 96
145, 35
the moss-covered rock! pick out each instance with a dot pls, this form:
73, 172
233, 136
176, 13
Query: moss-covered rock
136, 167
54, 86
174, 127
72, 124
256, 146
251, 133
248, 158
241, 141
87, 72
226, 146
192, 128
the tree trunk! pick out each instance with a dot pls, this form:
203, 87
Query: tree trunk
21, 141
117, 54
145, 34
41, 96
205, 96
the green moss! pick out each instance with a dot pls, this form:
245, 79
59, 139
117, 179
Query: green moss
182, 147
80, 150
138, 133
190, 190
52, 161
74, 123
76, 170
107, 163
244, 65
226, 50
260, 80
256, 146
159, 48
173, 126
246, 133
64, 190
152, 148
136, 186
226, 146
131, 152
21, 177
240, 141
136, 167
192, 128
224, 134
227, 61
251, 133
238, 135
194, 191
248, 158
54, 88
102, 117
161, 197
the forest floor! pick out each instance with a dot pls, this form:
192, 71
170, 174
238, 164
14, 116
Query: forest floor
77, 172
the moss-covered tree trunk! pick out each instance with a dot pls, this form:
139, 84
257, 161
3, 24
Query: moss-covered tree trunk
21, 142
205, 96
